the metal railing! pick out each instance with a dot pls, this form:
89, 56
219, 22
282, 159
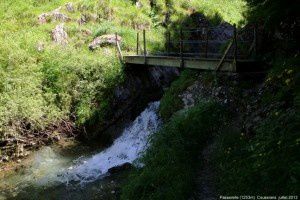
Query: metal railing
205, 42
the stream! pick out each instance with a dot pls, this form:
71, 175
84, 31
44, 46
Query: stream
53, 173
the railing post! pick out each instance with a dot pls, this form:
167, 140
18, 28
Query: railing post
137, 43
145, 50
181, 49
234, 46
118, 48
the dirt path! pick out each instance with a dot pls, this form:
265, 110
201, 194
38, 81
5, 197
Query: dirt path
205, 177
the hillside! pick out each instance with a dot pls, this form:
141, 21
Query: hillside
55, 83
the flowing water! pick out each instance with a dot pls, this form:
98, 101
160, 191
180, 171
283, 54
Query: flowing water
55, 175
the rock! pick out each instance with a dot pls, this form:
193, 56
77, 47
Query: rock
86, 32
42, 18
70, 7
58, 16
104, 40
59, 35
40, 46
120, 168
138, 4
55, 15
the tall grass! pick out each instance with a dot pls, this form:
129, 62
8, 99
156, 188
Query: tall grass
44, 87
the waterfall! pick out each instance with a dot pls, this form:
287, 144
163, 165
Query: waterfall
125, 149
51, 169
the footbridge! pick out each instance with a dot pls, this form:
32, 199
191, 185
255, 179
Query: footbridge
204, 48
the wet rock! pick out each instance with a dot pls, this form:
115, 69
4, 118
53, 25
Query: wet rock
120, 168
59, 35
103, 40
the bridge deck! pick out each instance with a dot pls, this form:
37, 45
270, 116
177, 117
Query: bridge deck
190, 62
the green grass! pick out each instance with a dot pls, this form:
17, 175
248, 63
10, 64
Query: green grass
267, 161
267, 164
172, 159
40, 88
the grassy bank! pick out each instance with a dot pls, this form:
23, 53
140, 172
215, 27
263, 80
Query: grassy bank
265, 161
172, 159
43, 83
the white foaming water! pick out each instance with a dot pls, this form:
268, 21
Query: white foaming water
125, 149
49, 167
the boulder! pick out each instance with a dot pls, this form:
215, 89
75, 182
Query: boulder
120, 168
103, 40
42, 18
55, 15
59, 35
58, 16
